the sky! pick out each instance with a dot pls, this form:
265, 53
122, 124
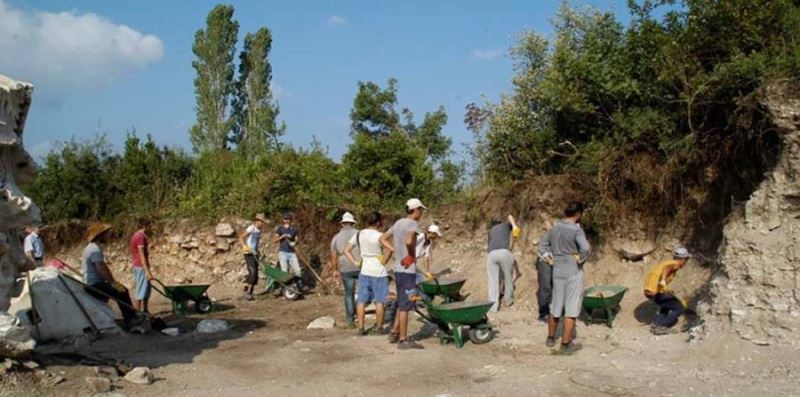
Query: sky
112, 66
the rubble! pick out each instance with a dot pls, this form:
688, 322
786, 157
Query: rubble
15, 340
140, 376
325, 322
210, 326
98, 384
224, 229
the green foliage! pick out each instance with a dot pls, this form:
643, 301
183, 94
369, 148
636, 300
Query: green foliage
88, 180
390, 161
256, 129
214, 48
647, 107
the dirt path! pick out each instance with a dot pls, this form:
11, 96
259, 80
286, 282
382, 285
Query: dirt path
269, 351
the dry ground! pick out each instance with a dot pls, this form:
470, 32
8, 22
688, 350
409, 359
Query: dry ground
269, 351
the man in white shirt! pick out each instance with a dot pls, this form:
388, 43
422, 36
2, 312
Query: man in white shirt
424, 246
34, 247
250, 241
373, 281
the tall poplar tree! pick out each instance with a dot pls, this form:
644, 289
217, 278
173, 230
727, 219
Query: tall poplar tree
214, 48
255, 112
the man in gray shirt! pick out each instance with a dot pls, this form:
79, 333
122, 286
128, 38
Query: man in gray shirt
499, 259
566, 248
401, 238
343, 269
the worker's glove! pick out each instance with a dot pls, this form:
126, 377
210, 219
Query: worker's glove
516, 232
429, 276
547, 257
246, 249
408, 261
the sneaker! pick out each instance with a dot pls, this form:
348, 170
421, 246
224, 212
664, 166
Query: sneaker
362, 332
248, 296
394, 337
407, 345
550, 342
570, 348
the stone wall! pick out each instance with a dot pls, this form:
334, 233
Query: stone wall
755, 291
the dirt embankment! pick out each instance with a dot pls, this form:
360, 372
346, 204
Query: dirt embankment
755, 289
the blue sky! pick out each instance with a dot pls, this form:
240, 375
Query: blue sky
111, 66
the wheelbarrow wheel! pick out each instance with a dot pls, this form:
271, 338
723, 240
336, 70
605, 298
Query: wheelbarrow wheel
291, 293
203, 306
480, 336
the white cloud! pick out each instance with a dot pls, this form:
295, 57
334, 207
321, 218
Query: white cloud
68, 50
485, 55
336, 20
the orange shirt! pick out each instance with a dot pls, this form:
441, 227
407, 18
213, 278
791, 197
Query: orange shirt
651, 281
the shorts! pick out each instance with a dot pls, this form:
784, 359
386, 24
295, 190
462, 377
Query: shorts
372, 289
405, 282
252, 269
142, 290
567, 296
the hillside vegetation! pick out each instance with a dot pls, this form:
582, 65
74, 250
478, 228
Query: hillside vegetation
659, 115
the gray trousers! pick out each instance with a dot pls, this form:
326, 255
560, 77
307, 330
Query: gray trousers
498, 260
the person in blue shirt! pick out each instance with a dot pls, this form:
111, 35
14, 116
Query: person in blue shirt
34, 247
286, 235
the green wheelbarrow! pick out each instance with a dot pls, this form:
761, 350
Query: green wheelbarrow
180, 295
278, 279
456, 317
447, 288
603, 300
453, 316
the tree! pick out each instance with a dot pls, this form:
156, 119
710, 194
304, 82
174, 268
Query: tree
254, 111
374, 109
214, 48
389, 159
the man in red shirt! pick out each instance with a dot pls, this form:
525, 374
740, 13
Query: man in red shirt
140, 255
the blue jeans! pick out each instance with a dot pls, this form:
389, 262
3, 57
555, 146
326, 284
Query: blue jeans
670, 309
349, 280
288, 259
372, 289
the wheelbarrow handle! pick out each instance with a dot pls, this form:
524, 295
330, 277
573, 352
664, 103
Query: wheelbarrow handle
163, 290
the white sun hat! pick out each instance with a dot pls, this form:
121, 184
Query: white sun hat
435, 229
415, 203
348, 218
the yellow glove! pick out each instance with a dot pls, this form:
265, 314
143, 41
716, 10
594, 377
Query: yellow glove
246, 249
516, 232
577, 258
429, 276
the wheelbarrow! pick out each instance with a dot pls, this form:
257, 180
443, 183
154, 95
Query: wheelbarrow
279, 279
180, 295
448, 288
454, 315
602, 299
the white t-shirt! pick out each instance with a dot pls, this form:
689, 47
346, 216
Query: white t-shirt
369, 241
422, 250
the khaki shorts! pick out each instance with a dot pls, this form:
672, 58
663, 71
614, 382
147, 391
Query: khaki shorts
567, 296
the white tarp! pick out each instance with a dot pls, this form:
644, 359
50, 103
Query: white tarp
61, 317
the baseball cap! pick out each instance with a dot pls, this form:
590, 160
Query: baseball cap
415, 203
681, 252
435, 229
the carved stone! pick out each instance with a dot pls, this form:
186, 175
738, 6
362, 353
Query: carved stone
16, 168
